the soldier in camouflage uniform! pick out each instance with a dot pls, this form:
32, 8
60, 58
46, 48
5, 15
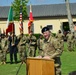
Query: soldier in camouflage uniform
22, 46
70, 40
4, 47
40, 44
52, 49
60, 37
32, 45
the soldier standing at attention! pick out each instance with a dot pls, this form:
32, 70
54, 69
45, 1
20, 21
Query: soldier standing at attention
51, 49
22, 46
32, 45
60, 37
4, 47
40, 44
13, 47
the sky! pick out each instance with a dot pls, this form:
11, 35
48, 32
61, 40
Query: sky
36, 2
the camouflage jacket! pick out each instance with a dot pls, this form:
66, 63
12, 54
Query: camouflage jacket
32, 41
59, 36
40, 43
51, 47
22, 40
4, 43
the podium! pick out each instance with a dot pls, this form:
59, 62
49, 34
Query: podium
40, 66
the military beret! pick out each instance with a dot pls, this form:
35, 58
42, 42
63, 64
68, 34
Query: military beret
45, 29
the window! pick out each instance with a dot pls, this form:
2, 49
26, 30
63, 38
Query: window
50, 27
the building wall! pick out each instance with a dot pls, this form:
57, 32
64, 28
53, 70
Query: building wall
56, 22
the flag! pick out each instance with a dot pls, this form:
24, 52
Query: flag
10, 22
30, 20
21, 22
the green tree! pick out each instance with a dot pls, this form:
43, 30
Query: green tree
16, 8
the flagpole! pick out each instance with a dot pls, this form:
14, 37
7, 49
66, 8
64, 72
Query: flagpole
13, 30
30, 11
30, 23
21, 20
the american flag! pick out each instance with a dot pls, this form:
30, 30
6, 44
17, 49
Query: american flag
21, 22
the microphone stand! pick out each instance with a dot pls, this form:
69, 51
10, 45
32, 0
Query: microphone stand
19, 68
25, 58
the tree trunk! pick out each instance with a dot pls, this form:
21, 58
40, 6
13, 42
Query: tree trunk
71, 25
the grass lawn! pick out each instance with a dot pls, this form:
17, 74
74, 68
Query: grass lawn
68, 60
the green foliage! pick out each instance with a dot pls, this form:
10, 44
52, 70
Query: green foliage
16, 7
26, 34
54, 34
37, 35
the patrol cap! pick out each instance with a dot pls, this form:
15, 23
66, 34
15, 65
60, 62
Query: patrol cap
45, 29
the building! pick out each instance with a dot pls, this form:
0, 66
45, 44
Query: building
53, 15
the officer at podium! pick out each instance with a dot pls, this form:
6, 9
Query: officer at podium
51, 49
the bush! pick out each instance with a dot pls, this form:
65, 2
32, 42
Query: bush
54, 34
37, 35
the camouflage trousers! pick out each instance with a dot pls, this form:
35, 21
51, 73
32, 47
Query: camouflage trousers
31, 51
70, 45
22, 53
40, 51
3, 56
57, 66
58, 70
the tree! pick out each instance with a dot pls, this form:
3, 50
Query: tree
16, 8
71, 25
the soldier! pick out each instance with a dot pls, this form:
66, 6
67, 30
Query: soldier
13, 47
4, 47
70, 40
51, 49
22, 46
40, 43
60, 37
32, 45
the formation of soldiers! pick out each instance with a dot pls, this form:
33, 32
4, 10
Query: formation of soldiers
69, 38
48, 46
12, 44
